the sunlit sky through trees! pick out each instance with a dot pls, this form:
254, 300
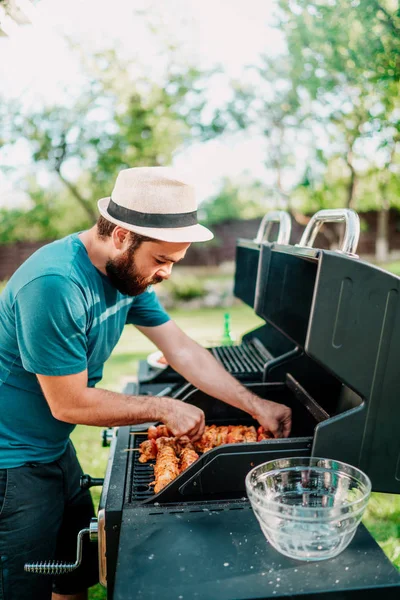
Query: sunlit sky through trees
41, 68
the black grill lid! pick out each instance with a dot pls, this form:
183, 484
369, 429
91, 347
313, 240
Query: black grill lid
345, 314
247, 254
286, 275
354, 332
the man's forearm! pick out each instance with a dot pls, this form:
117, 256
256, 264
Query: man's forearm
108, 409
197, 365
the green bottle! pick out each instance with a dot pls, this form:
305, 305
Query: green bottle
228, 339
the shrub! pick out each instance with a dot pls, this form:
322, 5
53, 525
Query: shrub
187, 288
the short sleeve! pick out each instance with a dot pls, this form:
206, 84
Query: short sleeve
50, 318
146, 310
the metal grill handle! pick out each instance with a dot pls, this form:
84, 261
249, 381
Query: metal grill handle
335, 215
285, 227
57, 567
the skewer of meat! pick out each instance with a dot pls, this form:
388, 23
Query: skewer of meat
148, 451
156, 432
166, 467
188, 456
240, 433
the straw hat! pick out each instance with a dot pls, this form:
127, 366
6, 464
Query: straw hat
151, 201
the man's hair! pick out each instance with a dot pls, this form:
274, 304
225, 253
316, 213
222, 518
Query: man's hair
105, 229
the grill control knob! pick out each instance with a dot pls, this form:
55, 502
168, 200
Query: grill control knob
87, 481
106, 436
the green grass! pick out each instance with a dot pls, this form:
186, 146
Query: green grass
203, 325
393, 267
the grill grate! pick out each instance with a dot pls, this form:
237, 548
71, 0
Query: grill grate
247, 358
142, 474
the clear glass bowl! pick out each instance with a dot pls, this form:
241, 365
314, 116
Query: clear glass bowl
308, 508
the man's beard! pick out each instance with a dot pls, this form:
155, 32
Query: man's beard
124, 275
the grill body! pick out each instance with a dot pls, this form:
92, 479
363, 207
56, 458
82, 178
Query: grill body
140, 524
334, 324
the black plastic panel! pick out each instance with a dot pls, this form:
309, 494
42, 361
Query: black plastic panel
285, 289
247, 254
219, 552
355, 334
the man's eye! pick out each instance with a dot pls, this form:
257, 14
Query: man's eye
159, 262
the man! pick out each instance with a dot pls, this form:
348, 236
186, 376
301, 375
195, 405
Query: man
62, 313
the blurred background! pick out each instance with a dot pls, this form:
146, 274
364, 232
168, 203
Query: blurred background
286, 104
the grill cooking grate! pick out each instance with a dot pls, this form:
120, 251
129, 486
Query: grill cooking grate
142, 474
248, 358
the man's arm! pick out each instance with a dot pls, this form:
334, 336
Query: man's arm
71, 401
198, 366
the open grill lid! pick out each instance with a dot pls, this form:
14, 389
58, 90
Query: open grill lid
345, 315
248, 251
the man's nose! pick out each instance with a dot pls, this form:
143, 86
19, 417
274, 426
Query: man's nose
165, 271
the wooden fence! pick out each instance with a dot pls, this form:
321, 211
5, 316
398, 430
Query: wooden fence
222, 248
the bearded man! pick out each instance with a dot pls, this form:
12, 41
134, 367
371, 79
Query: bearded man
62, 313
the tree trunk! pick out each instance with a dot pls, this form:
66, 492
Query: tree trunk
382, 233
352, 183
87, 207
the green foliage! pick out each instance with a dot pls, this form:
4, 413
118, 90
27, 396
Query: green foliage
118, 121
235, 201
345, 62
187, 288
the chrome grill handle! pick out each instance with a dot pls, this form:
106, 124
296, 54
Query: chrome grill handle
57, 567
335, 215
285, 227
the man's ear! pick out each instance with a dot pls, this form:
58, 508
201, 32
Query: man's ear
121, 238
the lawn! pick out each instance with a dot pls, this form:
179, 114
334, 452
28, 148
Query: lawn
383, 514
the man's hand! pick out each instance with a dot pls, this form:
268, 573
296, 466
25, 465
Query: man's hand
183, 419
276, 418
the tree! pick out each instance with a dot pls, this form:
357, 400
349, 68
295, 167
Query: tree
240, 199
268, 105
346, 57
116, 122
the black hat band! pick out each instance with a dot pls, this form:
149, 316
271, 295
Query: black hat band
157, 220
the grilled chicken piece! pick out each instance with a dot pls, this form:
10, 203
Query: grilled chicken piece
150, 448
208, 440
263, 434
163, 442
236, 434
160, 431
166, 467
250, 435
188, 456
148, 451
182, 443
232, 434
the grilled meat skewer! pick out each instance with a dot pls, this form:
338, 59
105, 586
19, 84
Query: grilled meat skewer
166, 467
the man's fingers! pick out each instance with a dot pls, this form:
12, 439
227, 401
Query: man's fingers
196, 433
274, 427
287, 426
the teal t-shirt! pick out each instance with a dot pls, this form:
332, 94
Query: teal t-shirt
59, 315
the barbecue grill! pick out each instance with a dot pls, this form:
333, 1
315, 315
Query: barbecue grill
198, 538
247, 360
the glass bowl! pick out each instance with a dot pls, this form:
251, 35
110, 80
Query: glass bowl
308, 508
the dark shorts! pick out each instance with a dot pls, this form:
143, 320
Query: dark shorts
42, 508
